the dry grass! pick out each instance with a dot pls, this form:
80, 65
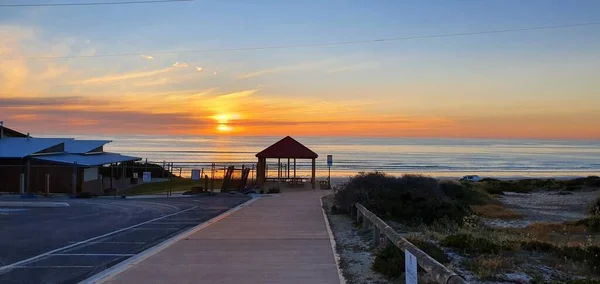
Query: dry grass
495, 212
486, 267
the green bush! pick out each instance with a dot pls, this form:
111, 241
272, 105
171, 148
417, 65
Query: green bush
589, 255
389, 261
430, 249
274, 190
591, 223
595, 207
463, 194
412, 199
476, 245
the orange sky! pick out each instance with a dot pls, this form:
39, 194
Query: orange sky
357, 94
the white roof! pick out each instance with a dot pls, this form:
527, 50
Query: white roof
83, 146
91, 160
20, 147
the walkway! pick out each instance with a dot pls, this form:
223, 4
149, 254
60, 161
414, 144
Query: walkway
279, 239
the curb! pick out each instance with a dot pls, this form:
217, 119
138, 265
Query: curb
336, 255
130, 262
33, 204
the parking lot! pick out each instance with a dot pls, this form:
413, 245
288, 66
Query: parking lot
70, 244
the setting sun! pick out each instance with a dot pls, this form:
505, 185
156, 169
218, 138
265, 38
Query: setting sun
224, 128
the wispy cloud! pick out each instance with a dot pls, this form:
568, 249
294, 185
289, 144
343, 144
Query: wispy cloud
149, 57
199, 69
237, 95
125, 76
180, 64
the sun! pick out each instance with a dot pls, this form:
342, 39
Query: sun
224, 128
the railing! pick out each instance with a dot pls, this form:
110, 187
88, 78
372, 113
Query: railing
378, 227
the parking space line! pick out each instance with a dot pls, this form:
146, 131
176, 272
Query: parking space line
176, 223
149, 229
52, 266
115, 243
20, 263
92, 254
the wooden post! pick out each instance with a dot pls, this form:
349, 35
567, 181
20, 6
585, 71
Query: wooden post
28, 184
111, 176
314, 172
294, 168
376, 236
278, 169
22, 184
47, 184
288, 168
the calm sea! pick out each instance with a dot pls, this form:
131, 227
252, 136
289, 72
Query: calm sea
436, 157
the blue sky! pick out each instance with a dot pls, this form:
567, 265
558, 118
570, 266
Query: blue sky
467, 80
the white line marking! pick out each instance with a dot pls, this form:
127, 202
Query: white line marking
19, 263
176, 223
156, 229
111, 243
78, 266
92, 254
130, 262
333, 244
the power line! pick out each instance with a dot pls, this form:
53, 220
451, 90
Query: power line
311, 45
91, 3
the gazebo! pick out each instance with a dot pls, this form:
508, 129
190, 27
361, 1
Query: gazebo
286, 148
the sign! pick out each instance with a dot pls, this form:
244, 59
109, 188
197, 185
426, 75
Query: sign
196, 174
135, 175
147, 177
329, 160
410, 267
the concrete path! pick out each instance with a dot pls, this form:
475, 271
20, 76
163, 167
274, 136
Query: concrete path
278, 239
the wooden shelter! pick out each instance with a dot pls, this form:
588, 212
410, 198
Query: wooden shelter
286, 148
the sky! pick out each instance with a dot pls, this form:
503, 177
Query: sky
529, 84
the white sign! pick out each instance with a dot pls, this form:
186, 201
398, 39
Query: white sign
135, 175
196, 174
410, 267
329, 160
147, 177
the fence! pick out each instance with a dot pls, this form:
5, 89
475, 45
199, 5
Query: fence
378, 227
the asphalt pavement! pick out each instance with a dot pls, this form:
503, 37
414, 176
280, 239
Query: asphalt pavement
70, 244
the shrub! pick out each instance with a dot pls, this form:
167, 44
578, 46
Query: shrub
477, 245
430, 249
464, 194
592, 223
410, 198
486, 267
588, 254
495, 211
389, 261
595, 207
274, 190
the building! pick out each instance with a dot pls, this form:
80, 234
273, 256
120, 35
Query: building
65, 165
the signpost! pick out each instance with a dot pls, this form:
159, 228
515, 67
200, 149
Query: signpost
196, 174
147, 177
329, 164
410, 267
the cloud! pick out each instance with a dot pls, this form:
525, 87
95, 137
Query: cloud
149, 57
125, 76
199, 69
237, 95
180, 64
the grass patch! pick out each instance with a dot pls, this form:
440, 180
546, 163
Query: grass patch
486, 267
430, 249
176, 184
389, 261
477, 245
594, 208
495, 186
495, 211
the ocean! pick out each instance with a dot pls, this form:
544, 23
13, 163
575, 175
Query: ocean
435, 157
